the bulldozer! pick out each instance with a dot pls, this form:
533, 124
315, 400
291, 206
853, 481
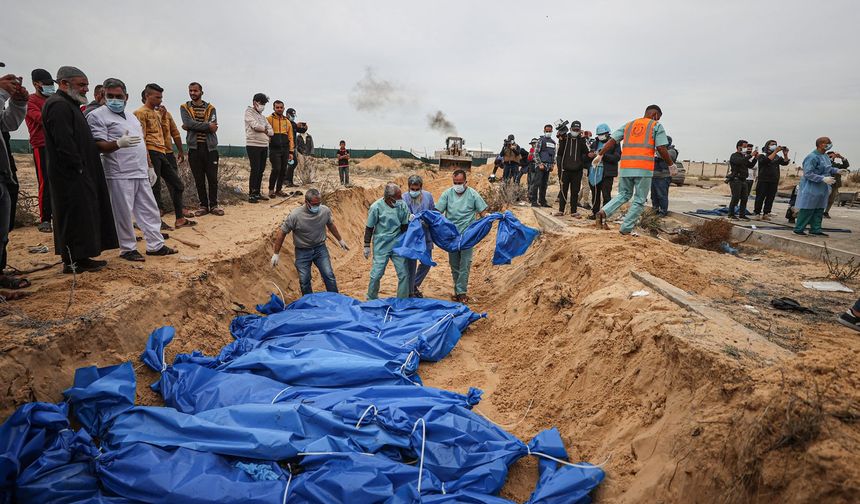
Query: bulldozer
455, 155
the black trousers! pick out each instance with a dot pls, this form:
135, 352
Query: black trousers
257, 157
280, 163
537, 187
571, 180
164, 170
740, 195
204, 168
765, 192
601, 194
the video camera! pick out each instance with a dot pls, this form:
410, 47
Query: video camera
562, 127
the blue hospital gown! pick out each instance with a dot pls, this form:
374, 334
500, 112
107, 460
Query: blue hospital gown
812, 192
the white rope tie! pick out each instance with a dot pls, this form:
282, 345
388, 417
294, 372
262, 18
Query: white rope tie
406, 362
384, 320
423, 441
287, 489
163, 362
506, 426
366, 411
279, 394
304, 454
564, 462
425, 331
284, 299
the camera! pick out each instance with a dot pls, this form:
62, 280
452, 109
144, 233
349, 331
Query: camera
562, 127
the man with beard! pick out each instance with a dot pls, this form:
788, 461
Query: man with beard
83, 219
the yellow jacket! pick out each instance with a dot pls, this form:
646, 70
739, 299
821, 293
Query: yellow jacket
283, 130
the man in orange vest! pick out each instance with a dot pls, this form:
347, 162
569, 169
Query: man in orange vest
640, 138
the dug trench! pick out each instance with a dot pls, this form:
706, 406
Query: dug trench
679, 407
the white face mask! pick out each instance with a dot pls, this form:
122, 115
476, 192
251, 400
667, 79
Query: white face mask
459, 188
603, 137
258, 107
574, 134
547, 134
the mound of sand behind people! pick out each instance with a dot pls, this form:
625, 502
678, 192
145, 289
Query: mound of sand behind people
379, 161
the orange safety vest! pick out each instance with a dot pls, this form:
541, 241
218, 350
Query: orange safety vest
638, 149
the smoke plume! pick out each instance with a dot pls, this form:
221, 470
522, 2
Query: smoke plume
371, 93
439, 122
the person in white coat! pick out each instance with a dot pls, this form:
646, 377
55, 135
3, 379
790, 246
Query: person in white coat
118, 137
257, 134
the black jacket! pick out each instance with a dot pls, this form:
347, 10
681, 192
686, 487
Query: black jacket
573, 153
610, 159
768, 171
739, 166
83, 218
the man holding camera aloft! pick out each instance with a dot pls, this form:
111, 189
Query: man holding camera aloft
574, 156
769, 163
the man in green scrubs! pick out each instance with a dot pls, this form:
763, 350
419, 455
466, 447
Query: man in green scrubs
387, 219
461, 205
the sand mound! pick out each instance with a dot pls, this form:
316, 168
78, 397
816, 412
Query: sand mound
379, 161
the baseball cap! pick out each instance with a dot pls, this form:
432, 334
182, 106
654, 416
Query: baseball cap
576, 124
41, 75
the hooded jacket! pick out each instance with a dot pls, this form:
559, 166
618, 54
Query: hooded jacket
573, 153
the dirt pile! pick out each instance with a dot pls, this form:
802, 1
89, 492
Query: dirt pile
685, 410
379, 161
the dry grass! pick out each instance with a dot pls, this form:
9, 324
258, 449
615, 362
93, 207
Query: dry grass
853, 178
231, 186
503, 195
838, 270
26, 209
707, 235
651, 221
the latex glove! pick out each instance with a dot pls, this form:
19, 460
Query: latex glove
150, 172
275, 259
127, 141
829, 180
343, 245
844, 171
597, 160
672, 170
411, 217
367, 252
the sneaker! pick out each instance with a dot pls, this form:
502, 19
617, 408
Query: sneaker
823, 235
546, 205
45, 227
262, 198
800, 233
826, 215
163, 251
253, 199
744, 218
132, 255
849, 320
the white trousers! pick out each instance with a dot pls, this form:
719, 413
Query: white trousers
133, 198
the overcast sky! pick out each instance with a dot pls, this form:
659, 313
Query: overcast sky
721, 70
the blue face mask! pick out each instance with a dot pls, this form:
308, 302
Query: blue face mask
828, 147
415, 194
314, 209
48, 89
115, 104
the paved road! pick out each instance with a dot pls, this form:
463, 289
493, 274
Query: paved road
690, 198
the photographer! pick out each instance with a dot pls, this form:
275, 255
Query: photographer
511, 157
740, 163
841, 163
544, 161
573, 157
769, 164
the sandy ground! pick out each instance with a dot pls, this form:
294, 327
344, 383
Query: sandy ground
685, 410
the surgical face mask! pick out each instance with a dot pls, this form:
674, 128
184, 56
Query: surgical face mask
314, 208
115, 104
459, 188
828, 146
415, 194
575, 133
603, 137
292, 117
48, 89
258, 107
771, 147
547, 134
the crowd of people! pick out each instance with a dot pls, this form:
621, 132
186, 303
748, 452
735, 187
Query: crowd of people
99, 173
571, 152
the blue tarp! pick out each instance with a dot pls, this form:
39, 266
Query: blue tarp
291, 411
512, 239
